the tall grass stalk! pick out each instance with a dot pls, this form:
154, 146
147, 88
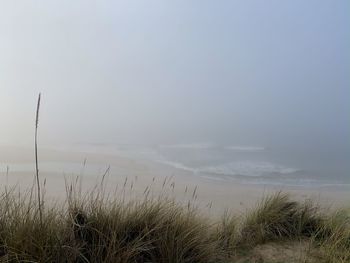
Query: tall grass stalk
36, 159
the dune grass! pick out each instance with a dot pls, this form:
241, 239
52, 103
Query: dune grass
101, 228
277, 217
333, 237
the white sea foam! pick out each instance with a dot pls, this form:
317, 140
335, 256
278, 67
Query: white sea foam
202, 145
245, 148
248, 168
177, 165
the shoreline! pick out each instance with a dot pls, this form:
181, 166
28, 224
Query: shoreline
213, 196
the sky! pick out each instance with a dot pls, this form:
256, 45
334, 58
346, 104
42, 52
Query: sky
231, 72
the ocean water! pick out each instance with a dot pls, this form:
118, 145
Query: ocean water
246, 164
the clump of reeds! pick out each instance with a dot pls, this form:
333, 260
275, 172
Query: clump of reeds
97, 227
278, 217
227, 233
24, 235
140, 231
333, 237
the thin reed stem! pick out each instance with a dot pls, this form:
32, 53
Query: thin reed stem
36, 159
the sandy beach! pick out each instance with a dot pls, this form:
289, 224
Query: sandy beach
128, 178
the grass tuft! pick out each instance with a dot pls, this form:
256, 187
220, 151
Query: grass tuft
333, 237
277, 217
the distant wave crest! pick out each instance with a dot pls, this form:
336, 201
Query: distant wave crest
253, 169
250, 169
204, 145
245, 148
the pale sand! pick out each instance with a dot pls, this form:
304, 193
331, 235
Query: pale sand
211, 196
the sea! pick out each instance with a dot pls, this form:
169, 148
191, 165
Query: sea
248, 164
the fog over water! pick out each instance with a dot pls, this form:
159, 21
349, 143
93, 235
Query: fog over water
226, 89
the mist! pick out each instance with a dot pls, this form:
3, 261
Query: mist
251, 73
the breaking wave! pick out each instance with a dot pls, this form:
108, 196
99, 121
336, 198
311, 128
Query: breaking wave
245, 148
251, 169
199, 146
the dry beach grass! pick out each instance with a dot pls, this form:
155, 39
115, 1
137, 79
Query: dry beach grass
101, 227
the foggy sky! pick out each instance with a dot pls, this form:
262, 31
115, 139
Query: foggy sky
236, 72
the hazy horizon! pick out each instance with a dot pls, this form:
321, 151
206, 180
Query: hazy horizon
246, 73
